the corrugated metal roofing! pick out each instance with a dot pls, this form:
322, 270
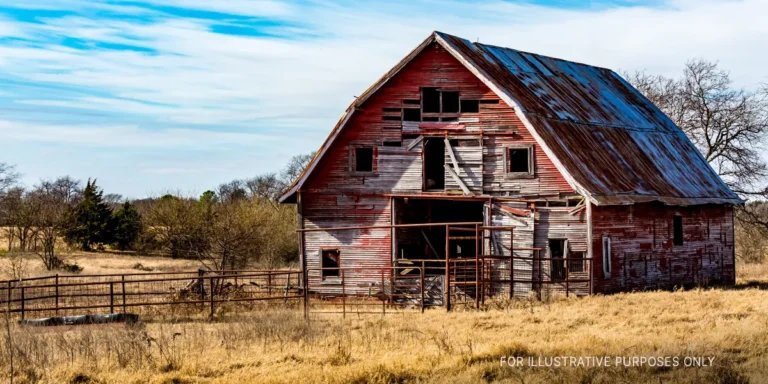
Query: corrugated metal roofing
612, 141
608, 140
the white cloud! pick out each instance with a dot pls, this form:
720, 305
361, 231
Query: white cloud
296, 87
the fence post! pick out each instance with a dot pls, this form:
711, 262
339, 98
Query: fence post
10, 296
287, 286
447, 270
383, 295
511, 263
422, 286
111, 297
304, 276
212, 308
123, 291
57, 294
343, 296
477, 267
22, 302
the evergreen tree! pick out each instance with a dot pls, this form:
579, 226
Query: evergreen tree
127, 226
90, 222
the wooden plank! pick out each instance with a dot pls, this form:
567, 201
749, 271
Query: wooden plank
457, 179
415, 143
449, 149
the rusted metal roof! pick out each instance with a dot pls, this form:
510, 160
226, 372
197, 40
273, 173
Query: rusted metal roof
609, 141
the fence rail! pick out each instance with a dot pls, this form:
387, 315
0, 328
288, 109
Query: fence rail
203, 290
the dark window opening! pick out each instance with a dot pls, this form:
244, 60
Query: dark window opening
412, 101
330, 259
577, 264
678, 230
411, 114
518, 160
449, 119
393, 143
470, 106
391, 118
430, 119
488, 101
434, 160
430, 100
450, 102
388, 109
363, 159
557, 251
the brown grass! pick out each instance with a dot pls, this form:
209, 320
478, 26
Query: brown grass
457, 347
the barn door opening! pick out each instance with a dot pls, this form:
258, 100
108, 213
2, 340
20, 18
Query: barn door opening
558, 249
434, 160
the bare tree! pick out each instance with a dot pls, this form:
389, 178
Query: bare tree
8, 176
52, 199
728, 125
294, 167
20, 216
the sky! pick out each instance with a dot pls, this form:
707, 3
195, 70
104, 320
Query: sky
155, 96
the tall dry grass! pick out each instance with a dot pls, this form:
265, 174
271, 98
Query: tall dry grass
461, 346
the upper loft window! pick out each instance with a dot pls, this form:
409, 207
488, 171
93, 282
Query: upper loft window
361, 159
677, 229
518, 161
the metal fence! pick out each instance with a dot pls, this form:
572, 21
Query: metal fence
142, 292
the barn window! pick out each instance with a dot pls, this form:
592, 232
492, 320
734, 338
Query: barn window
411, 114
606, 256
558, 249
677, 228
470, 106
518, 161
576, 262
450, 102
361, 159
393, 143
430, 100
330, 263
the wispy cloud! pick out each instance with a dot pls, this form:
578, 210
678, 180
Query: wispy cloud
170, 75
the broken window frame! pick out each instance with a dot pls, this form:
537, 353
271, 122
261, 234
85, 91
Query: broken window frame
531, 164
353, 160
330, 274
577, 264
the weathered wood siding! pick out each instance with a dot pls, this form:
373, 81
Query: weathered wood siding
642, 252
522, 238
558, 223
369, 248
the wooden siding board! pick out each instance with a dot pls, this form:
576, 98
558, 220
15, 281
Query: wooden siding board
642, 253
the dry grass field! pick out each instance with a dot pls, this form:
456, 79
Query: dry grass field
729, 325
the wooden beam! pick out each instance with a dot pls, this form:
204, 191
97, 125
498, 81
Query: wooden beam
458, 179
452, 155
432, 247
415, 142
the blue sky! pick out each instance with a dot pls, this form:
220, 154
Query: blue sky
181, 95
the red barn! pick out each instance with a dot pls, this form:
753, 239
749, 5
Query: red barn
574, 182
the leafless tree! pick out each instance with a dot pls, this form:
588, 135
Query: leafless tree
295, 166
20, 215
728, 125
8, 176
52, 200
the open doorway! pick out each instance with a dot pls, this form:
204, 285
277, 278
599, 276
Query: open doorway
434, 160
428, 243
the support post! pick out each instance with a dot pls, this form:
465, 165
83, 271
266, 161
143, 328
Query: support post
567, 285
511, 263
111, 297
343, 296
123, 292
22, 302
212, 307
477, 267
304, 276
421, 282
57, 294
447, 271
383, 295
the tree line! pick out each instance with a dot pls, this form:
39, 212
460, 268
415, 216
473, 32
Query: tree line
236, 225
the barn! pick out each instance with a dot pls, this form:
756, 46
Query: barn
496, 171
